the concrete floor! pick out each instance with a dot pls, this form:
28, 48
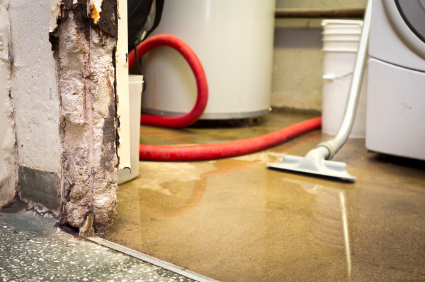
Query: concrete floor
236, 220
32, 249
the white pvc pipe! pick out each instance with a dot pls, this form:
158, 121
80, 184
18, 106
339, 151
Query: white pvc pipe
123, 108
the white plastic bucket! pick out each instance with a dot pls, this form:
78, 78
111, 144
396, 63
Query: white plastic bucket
233, 40
342, 25
340, 35
340, 44
135, 90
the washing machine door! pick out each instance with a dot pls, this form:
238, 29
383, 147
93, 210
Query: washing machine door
407, 18
413, 14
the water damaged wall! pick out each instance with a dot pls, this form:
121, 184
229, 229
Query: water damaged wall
58, 110
7, 133
85, 42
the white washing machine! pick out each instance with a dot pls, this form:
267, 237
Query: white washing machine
395, 121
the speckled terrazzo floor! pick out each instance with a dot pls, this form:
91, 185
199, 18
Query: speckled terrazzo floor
31, 249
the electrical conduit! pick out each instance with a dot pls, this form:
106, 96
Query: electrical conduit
208, 151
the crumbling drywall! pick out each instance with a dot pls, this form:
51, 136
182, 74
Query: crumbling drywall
86, 50
62, 81
7, 133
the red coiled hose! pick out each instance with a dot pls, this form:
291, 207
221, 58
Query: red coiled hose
198, 71
208, 151
226, 150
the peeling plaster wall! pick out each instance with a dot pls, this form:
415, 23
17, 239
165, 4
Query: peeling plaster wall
88, 119
7, 133
64, 93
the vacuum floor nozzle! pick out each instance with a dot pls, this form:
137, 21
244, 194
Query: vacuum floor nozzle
314, 166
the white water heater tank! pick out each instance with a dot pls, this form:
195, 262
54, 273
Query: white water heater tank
234, 42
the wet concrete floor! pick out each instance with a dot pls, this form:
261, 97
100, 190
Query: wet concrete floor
235, 220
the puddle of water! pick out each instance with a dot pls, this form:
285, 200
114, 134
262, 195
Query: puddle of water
159, 174
235, 220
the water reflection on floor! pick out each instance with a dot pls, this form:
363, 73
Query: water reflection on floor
236, 220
